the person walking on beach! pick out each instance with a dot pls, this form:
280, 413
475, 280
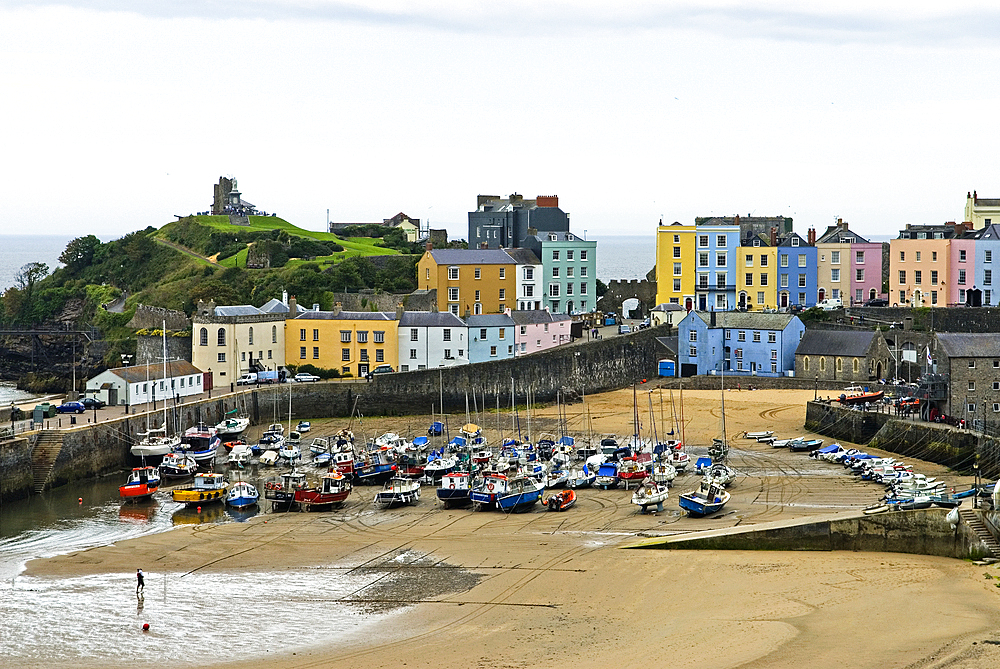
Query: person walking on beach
140, 584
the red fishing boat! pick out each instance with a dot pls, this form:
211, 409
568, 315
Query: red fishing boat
141, 484
861, 398
334, 488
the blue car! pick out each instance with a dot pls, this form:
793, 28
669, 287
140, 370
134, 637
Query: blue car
71, 407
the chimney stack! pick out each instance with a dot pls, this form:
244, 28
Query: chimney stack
293, 307
399, 310
811, 237
430, 246
336, 308
774, 236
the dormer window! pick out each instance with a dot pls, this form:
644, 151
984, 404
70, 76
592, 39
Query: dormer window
795, 241
552, 237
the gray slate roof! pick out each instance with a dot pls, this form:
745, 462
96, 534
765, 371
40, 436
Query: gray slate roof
835, 342
489, 321
430, 319
747, 319
238, 310
139, 373
964, 345
523, 256
274, 306
667, 306
536, 316
346, 316
471, 257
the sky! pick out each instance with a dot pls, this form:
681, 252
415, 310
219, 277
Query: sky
120, 115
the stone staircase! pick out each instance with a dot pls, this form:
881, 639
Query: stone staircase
972, 519
43, 457
236, 219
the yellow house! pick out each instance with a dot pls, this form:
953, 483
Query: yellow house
353, 342
757, 277
477, 281
675, 251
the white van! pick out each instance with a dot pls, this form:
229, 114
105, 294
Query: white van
248, 379
831, 304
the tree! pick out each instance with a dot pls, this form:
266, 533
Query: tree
601, 288
29, 275
80, 252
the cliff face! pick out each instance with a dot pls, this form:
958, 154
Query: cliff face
49, 357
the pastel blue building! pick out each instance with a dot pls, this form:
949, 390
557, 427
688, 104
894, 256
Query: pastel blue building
739, 343
491, 337
987, 264
716, 248
797, 272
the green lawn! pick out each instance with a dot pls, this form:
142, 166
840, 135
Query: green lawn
353, 246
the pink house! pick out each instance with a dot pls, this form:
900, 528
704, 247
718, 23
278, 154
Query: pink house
538, 330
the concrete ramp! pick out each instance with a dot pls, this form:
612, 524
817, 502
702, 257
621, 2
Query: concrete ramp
924, 532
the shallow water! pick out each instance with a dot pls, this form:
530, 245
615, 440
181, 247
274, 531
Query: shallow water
197, 619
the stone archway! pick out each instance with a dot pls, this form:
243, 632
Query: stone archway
621, 290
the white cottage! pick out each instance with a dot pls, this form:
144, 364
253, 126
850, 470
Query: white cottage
146, 383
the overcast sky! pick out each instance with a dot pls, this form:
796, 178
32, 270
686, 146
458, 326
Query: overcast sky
118, 115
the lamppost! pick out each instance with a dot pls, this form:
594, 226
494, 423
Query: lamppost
126, 359
12, 412
211, 382
816, 389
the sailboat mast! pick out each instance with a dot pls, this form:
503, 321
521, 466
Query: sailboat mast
164, 333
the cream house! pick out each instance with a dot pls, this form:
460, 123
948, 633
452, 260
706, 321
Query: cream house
233, 340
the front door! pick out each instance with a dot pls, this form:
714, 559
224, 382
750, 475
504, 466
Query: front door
702, 303
362, 370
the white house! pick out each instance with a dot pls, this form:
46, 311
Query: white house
432, 339
668, 313
145, 383
529, 279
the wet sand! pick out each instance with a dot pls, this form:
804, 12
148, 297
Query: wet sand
555, 589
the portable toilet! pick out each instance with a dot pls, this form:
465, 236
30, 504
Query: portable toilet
667, 368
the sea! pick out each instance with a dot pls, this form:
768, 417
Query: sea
624, 256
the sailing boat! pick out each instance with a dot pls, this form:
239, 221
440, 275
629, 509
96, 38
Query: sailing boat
233, 424
155, 442
711, 495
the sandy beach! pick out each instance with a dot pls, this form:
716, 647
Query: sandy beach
460, 589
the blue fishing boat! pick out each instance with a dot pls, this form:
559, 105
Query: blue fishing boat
522, 493
709, 498
242, 495
487, 490
454, 489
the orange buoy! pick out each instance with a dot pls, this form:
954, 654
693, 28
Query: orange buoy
79, 500
199, 509
145, 627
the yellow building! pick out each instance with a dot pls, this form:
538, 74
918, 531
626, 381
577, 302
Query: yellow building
353, 342
475, 281
675, 253
757, 277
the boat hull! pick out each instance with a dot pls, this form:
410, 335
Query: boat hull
454, 496
194, 497
134, 492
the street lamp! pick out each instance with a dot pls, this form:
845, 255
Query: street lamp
126, 359
211, 382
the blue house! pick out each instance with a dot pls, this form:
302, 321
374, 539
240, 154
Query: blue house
987, 258
797, 271
741, 343
491, 337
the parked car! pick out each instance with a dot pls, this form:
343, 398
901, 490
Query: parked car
877, 302
303, 377
381, 369
645, 324
624, 328
92, 403
71, 407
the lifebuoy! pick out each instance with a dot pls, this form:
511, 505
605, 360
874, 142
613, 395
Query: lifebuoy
489, 486
452, 486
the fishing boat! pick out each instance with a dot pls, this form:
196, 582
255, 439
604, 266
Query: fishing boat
398, 491
242, 495
556, 478
206, 487
375, 466
280, 491
709, 498
454, 489
233, 425
804, 444
485, 492
561, 500
141, 484
766, 434
177, 466
650, 493
334, 488
201, 442
439, 465
522, 493
303, 426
